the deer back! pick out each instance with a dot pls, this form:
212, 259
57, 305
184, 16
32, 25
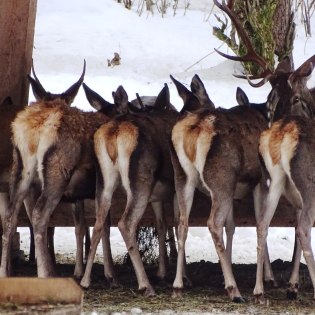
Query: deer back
207, 137
140, 138
50, 130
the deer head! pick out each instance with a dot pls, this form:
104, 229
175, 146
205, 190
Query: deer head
289, 92
41, 94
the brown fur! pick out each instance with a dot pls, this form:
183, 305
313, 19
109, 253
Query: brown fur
107, 135
61, 140
190, 130
223, 162
275, 139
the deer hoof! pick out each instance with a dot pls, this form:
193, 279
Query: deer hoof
148, 292
113, 283
291, 294
260, 299
187, 282
239, 299
177, 293
84, 283
272, 283
292, 291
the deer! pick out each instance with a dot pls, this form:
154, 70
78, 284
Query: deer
8, 113
53, 148
143, 104
288, 87
225, 140
71, 194
133, 151
285, 150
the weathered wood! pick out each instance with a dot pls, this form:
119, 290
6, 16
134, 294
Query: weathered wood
39, 290
17, 23
244, 213
59, 295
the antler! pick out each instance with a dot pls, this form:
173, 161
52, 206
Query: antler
251, 54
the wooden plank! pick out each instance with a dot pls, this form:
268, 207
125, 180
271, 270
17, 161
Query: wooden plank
17, 24
40, 290
243, 213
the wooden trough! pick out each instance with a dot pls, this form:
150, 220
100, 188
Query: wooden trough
243, 213
36, 295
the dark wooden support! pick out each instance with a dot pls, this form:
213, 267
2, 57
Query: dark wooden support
17, 24
244, 213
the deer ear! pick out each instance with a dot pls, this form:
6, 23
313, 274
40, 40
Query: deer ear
95, 100
183, 92
71, 93
121, 99
241, 97
38, 90
304, 71
199, 90
163, 99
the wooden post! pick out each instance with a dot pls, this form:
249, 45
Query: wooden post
17, 24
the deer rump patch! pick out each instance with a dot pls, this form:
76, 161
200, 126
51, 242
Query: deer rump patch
36, 124
194, 135
280, 141
118, 138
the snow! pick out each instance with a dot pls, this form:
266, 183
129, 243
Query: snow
151, 48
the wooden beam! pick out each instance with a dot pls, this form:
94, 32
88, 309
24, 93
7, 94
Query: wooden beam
17, 25
243, 212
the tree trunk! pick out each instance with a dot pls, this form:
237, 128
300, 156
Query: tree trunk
17, 23
283, 29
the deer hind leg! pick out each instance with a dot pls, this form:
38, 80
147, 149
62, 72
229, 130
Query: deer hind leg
109, 271
103, 199
222, 205
185, 190
136, 206
293, 284
304, 230
29, 203
267, 269
173, 238
80, 231
229, 231
21, 178
47, 202
157, 207
270, 198
294, 198
187, 281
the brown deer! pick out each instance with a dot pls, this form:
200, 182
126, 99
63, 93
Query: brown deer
53, 148
8, 113
288, 87
144, 104
70, 195
133, 150
286, 150
219, 148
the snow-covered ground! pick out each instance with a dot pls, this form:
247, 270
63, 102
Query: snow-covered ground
151, 48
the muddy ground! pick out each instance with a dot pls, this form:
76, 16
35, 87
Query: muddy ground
206, 296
